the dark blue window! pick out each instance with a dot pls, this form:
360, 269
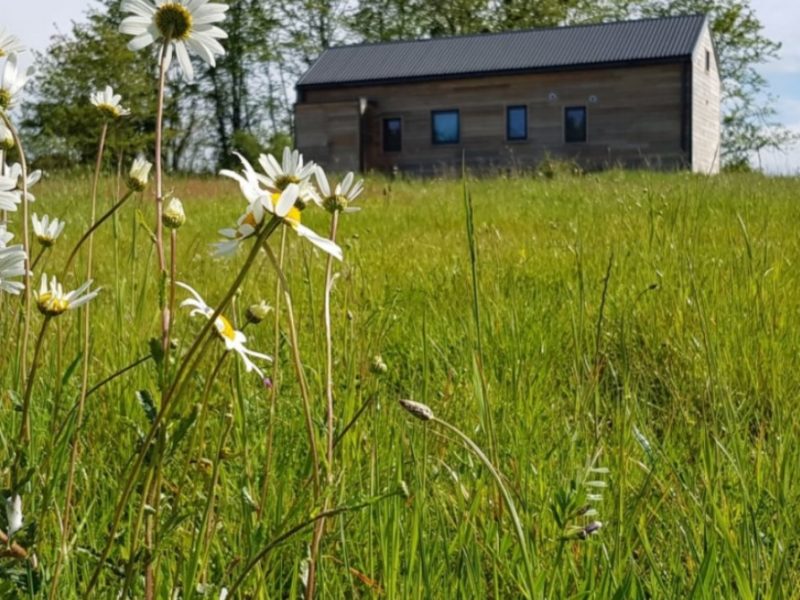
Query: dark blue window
392, 135
517, 123
445, 126
575, 124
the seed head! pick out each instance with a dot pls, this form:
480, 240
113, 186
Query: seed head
419, 410
378, 366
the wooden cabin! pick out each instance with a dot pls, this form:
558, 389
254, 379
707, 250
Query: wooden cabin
641, 94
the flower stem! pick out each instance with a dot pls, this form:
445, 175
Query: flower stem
75, 442
273, 397
298, 367
319, 526
25, 427
172, 394
88, 234
521, 538
162, 265
26, 243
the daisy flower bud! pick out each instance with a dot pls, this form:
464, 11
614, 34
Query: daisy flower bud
6, 138
419, 410
173, 216
140, 170
257, 312
14, 514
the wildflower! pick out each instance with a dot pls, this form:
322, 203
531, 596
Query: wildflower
12, 82
14, 514
9, 44
377, 365
14, 172
234, 340
5, 236
419, 410
183, 25
290, 170
12, 264
257, 312
282, 205
52, 301
6, 138
342, 195
173, 216
47, 231
107, 102
137, 178
8, 194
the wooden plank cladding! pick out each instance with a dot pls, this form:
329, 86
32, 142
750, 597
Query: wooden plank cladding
661, 114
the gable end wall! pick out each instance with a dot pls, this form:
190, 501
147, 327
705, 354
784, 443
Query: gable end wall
706, 98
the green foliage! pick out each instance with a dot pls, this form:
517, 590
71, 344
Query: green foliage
677, 367
60, 122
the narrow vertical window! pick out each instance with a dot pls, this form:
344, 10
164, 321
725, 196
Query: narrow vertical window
445, 126
575, 124
392, 135
516, 123
708, 60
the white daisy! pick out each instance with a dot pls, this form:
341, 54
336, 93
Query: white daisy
12, 265
47, 231
281, 204
9, 44
14, 514
234, 339
5, 237
9, 197
342, 195
108, 103
186, 25
140, 170
12, 82
290, 170
14, 172
52, 301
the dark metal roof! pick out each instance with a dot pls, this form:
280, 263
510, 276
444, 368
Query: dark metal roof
513, 51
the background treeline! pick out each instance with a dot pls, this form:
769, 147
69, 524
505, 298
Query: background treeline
244, 103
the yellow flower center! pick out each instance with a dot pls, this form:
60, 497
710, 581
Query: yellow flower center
5, 99
174, 21
45, 240
224, 328
283, 181
294, 213
250, 219
109, 111
50, 306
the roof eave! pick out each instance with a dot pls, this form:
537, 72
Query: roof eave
678, 58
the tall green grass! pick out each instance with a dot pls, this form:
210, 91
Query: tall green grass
647, 324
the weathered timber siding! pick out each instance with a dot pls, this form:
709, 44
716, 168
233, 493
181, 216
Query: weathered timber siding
328, 133
706, 91
635, 117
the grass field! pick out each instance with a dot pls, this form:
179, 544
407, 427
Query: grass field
638, 354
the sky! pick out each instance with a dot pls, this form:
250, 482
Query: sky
34, 21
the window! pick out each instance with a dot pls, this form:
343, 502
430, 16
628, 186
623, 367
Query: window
392, 135
445, 126
708, 60
575, 124
517, 123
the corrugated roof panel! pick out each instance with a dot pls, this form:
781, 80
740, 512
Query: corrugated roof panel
624, 41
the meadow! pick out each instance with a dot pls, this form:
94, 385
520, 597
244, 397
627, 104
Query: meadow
623, 347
